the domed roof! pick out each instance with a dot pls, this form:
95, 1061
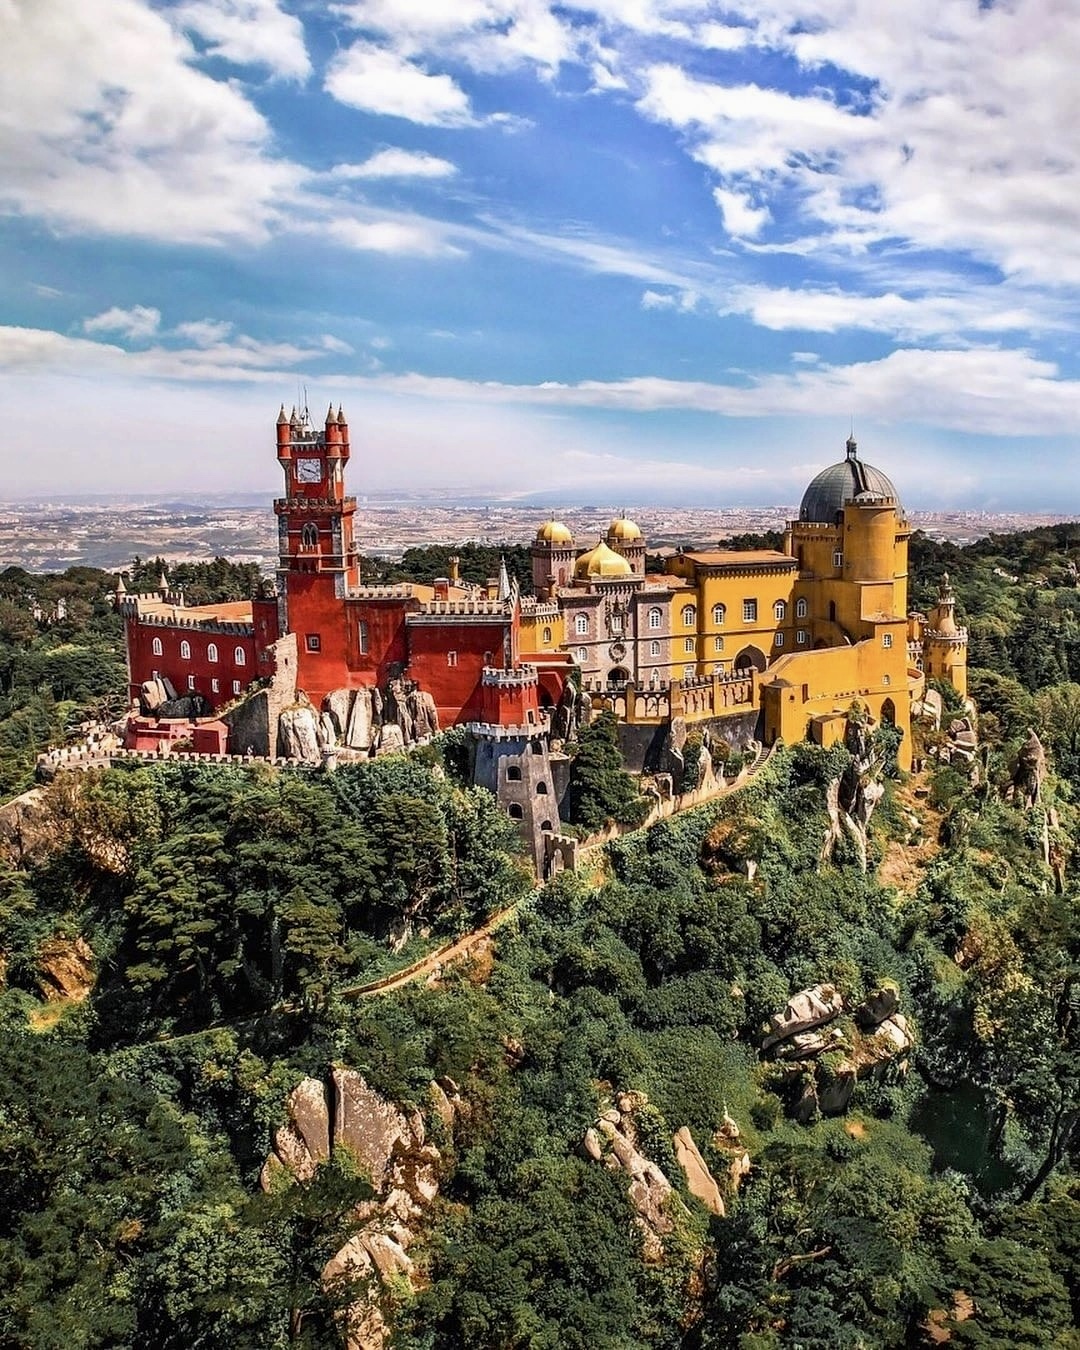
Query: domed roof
626, 531
602, 562
554, 532
849, 481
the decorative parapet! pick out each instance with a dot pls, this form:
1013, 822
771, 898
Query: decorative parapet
403, 591
290, 504
435, 611
493, 731
957, 638
517, 678
230, 627
536, 609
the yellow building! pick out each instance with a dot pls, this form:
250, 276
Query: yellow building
796, 635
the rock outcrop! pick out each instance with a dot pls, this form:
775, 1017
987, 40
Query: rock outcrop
699, 1180
391, 1148
1030, 770
850, 799
298, 733
27, 830
808, 1009
65, 968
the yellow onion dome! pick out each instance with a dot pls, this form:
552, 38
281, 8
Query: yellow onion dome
601, 562
554, 532
625, 531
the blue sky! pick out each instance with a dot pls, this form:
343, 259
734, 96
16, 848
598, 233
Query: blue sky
638, 251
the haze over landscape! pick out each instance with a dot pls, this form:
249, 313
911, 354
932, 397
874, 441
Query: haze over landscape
551, 253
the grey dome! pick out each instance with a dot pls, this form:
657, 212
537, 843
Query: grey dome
850, 480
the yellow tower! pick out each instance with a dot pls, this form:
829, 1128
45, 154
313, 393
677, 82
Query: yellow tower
944, 643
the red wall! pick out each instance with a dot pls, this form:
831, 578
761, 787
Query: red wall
143, 660
455, 689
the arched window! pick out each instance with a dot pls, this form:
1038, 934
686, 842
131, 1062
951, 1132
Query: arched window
778, 640
581, 625
688, 672
515, 812
654, 648
541, 789
513, 773
185, 650
656, 618
801, 609
719, 614
158, 649
718, 644
547, 636
240, 657
582, 655
211, 651
689, 615
779, 611
309, 535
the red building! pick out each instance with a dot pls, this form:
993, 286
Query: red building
440, 636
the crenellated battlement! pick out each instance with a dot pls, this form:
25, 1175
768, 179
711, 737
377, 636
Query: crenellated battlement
519, 677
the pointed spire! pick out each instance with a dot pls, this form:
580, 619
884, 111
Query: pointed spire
340, 416
282, 420
852, 447
121, 589
330, 413
294, 421
504, 580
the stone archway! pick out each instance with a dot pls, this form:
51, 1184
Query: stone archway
888, 712
750, 658
618, 675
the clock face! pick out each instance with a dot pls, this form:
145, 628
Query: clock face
309, 470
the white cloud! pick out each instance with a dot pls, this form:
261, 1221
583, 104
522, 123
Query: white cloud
141, 321
116, 132
380, 81
248, 32
741, 217
684, 301
204, 332
394, 163
417, 238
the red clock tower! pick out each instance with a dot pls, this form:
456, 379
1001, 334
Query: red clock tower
318, 559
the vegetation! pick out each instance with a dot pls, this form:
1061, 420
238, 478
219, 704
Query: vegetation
230, 912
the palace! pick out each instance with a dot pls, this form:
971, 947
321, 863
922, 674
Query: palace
760, 644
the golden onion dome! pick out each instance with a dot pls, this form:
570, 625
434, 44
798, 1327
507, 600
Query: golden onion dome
601, 562
554, 532
625, 531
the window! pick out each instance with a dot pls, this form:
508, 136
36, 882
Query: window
654, 648
185, 651
886, 679
718, 644
215, 686
688, 646
309, 535
779, 611
582, 655
778, 640
314, 642
240, 656
689, 615
838, 559
547, 637
236, 686
749, 611
801, 609
719, 614
581, 625
688, 672
616, 623
802, 637
656, 618
191, 681
513, 773
159, 650
886, 639
211, 651
541, 789
515, 812
362, 633
451, 658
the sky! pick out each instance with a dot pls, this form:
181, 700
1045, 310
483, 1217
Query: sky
633, 251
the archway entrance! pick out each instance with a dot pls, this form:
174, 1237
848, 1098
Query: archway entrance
750, 658
888, 712
618, 675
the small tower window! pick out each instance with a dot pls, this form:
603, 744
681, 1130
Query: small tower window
688, 646
362, 634
313, 642
688, 672
778, 640
886, 639
211, 651
185, 651
451, 658
513, 773
719, 614
158, 649
801, 609
718, 644
191, 681
689, 615
240, 656
547, 637
656, 618
654, 648
515, 812
215, 686
541, 789
838, 559
582, 655
309, 535
802, 637
780, 611
236, 686
581, 625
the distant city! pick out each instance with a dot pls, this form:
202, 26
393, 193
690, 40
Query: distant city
49, 536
